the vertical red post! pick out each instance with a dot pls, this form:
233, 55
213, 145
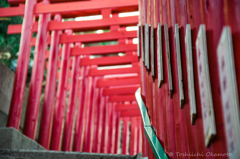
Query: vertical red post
22, 66
112, 129
117, 134
79, 128
105, 128
67, 136
139, 136
88, 105
125, 136
100, 122
133, 137
91, 109
59, 109
37, 76
96, 119
47, 112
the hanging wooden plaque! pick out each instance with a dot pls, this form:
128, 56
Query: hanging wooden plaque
191, 88
142, 44
159, 55
152, 52
205, 87
168, 60
229, 93
139, 44
179, 65
147, 46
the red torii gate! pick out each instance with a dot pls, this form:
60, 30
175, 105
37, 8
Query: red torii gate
98, 98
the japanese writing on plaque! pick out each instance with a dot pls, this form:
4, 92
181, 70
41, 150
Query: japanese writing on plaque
159, 55
205, 87
191, 89
229, 94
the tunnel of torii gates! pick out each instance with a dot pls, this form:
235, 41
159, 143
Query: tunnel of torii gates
185, 64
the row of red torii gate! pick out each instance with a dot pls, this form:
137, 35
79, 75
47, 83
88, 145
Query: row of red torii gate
92, 74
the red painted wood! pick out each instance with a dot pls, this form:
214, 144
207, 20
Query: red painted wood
83, 6
110, 130
22, 67
96, 72
179, 116
133, 137
118, 81
168, 107
91, 108
100, 123
97, 114
117, 134
122, 98
80, 25
125, 136
213, 12
130, 113
37, 77
103, 49
77, 9
120, 107
194, 12
139, 136
59, 109
88, 105
181, 13
69, 121
80, 120
106, 61
86, 38
12, 11
48, 102
105, 128
120, 91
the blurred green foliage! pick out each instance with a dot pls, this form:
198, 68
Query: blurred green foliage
9, 44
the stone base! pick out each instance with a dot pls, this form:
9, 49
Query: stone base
10, 138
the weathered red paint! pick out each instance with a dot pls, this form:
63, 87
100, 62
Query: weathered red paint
37, 77
22, 67
48, 102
